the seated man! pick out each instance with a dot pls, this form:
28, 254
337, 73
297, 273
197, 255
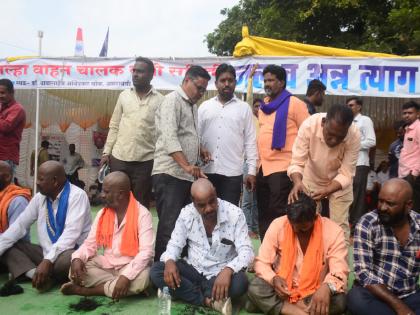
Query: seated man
387, 255
63, 218
219, 250
124, 229
302, 264
13, 199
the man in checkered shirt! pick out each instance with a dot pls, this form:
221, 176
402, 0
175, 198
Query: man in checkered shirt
387, 255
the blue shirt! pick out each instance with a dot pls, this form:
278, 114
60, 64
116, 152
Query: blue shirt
16, 207
230, 245
394, 156
380, 259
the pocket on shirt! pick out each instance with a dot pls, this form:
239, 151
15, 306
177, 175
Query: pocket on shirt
223, 249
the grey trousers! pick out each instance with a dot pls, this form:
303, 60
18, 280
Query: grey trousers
24, 256
263, 296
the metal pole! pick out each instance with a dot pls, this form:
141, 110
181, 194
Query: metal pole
40, 35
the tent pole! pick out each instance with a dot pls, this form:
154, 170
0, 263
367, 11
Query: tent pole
40, 35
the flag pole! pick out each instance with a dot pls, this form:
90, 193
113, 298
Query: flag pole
40, 35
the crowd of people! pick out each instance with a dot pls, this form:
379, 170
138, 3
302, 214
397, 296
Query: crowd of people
301, 177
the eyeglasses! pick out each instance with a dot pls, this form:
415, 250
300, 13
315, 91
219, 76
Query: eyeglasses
200, 89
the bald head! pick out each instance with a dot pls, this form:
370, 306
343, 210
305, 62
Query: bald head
53, 169
6, 175
118, 180
398, 186
202, 188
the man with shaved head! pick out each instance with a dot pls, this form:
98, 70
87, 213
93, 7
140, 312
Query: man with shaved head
62, 212
124, 230
387, 255
219, 250
13, 199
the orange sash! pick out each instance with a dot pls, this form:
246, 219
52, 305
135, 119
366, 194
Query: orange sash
6, 197
105, 229
309, 278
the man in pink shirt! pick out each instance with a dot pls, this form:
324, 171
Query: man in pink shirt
124, 229
12, 122
324, 160
302, 266
409, 163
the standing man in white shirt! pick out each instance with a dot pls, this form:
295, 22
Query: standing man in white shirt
62, 212
367, 141
227, 131
130, 145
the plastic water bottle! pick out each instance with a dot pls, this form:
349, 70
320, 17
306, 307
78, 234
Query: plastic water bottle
164, 302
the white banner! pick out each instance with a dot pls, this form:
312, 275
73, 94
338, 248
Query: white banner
385, 77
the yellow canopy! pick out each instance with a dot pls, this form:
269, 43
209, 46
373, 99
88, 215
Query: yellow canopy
260, 46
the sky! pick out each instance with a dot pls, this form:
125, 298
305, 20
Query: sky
152, 28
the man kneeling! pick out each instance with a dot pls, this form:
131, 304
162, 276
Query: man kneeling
124, 230
301, 267
219, 249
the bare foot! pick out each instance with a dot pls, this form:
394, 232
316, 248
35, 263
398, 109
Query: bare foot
70, 288
292, 309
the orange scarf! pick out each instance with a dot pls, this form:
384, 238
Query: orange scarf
130, 240
6, 197
309, 278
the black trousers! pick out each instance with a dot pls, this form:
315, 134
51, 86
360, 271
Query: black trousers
140, 174
227, 187
358, 208
272, 193
172, 194
415, 184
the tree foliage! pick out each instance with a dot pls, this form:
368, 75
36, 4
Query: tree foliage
390, 26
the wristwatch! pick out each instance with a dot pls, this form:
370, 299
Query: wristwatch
332, 288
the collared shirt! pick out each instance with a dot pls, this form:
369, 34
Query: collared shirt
77, 225
231, 246
132, 135
273, 161
228, 132
12, 122
15, 209
318, 163
394, 156
112, 258
335, 269
380, 259
367, 138
410, 153
73, 162
177, 131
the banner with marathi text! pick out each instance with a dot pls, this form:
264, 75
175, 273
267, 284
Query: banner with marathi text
381, 77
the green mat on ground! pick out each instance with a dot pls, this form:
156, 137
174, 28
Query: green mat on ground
53, 302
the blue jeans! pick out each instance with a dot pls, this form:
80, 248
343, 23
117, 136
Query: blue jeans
249, 206
361, 302
194, 286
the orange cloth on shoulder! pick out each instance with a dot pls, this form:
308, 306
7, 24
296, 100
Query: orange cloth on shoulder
130, 239
309, 278
6, 197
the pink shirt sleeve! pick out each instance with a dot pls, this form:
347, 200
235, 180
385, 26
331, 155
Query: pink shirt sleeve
336, 257
146, 251
268, 251
300, 149
351, 152
88, 248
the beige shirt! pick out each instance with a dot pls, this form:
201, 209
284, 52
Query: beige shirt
318, 163
132, 135
177, 131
